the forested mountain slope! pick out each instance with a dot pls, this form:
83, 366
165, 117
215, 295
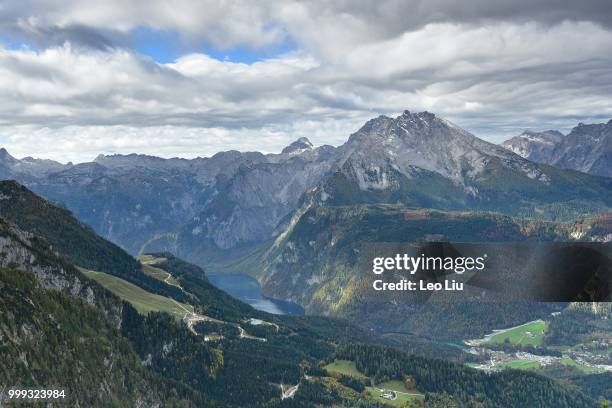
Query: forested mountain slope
228, 360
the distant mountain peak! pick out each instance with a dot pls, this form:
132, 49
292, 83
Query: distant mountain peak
534, 145
425, 115
387, 146
418, 119
300, 145
553, 133
587, 148
548, 137
5, 155
135, 160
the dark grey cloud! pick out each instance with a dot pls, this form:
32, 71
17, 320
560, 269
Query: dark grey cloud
414, 14
78, 35
226, 24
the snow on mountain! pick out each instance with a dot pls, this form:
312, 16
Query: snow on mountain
535, 146
299, 146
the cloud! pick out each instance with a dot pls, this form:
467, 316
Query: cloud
316, 22
221, 23
491, 67
84, 143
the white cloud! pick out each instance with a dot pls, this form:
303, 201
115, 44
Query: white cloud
222, 23
84, 143
354, 62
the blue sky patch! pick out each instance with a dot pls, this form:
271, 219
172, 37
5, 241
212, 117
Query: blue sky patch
166, 46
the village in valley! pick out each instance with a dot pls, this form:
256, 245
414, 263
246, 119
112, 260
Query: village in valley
521, 347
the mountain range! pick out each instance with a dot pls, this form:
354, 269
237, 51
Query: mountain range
298, 222
232, 202
587, 148
114, 336
250, 212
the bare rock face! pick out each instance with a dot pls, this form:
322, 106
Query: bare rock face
250, 204
424, 141
587, 148
22, 250
28, 166
299, 146
535, 146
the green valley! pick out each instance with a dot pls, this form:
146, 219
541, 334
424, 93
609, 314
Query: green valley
224, 353
534, 346
531, 333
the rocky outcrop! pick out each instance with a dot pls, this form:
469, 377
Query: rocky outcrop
587, 148
535, 146
27, 252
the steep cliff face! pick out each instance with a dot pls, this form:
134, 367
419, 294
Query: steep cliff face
535, 146
427, 142
53, 340
149, 203
27, 252
392, 166
128, 205
250, 207
587, 148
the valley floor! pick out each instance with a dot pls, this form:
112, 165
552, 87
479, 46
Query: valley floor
531, 333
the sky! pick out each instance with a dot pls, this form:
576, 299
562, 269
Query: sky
191, 78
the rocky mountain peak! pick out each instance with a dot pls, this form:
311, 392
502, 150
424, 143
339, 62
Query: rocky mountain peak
424, 141
422, 116
533, 145
590, 134
127, 162
300, 145
5, 156
553, 135
587, 148
417, 126
418, 121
